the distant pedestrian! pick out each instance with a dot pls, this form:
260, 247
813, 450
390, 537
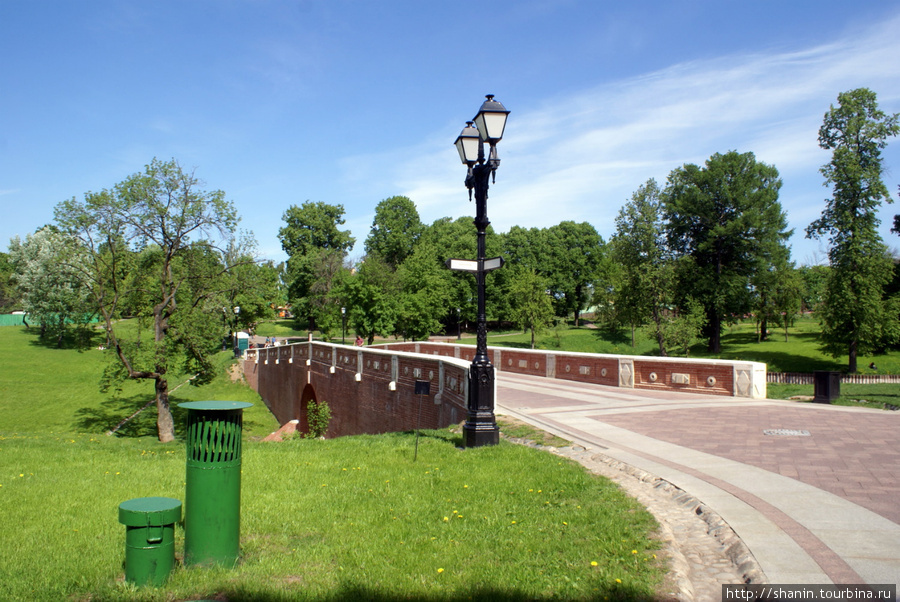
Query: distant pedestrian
359, 341
872, 366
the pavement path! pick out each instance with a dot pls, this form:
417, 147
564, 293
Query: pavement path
811, 490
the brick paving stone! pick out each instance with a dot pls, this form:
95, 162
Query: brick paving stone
845, 454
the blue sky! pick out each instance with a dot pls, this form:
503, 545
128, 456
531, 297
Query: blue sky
351, 102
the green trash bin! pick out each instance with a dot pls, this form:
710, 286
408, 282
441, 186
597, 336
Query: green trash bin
149, 538
212, 515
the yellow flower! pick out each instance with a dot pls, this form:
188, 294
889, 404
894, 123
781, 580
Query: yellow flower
446, 519
440, 570
593, 563
618, 581
634, 551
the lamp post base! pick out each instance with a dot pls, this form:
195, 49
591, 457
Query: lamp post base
481, 424
481, 433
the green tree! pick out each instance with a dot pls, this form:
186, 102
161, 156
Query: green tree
646, 273
681, 328
316, 249
373, 298
52, 290
855, 315
786, 295
813, 280
426, 287
251, 285
575, 255
10, 297
395, 231
526, 248
154, 237
532, 308
725, 217
456, 239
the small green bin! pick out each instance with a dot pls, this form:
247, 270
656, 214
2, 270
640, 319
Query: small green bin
149, 538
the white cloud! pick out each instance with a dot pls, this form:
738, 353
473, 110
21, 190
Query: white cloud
580, 157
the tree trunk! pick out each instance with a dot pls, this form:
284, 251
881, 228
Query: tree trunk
714, 327
660, 339
165, 425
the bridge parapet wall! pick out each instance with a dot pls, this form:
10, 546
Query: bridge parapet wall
369, 390
689, 375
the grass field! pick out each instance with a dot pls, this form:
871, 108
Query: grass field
345, 519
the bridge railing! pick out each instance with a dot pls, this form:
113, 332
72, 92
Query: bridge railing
692, 375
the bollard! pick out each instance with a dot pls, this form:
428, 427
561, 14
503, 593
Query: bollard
212, 516
149, 538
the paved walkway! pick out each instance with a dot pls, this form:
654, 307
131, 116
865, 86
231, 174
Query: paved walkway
812, 490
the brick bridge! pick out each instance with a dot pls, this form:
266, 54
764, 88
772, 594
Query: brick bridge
372, 389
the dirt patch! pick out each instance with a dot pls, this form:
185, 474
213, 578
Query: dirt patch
236, 372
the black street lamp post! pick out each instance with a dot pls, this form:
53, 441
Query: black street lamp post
237, 347
343, 324
481, 425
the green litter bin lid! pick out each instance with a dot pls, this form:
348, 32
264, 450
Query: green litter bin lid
215, 405
150, 512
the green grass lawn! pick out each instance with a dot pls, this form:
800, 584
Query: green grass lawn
345, 519
352, 518
44, 389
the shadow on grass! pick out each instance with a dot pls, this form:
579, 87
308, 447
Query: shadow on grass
780, 361
442, 435
108, 415
612, 334
354, 593
78, 339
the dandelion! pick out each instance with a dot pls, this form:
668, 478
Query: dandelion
514, 522
440, 570
634, 551
618, 581
465, 486
593, 563
446, 518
